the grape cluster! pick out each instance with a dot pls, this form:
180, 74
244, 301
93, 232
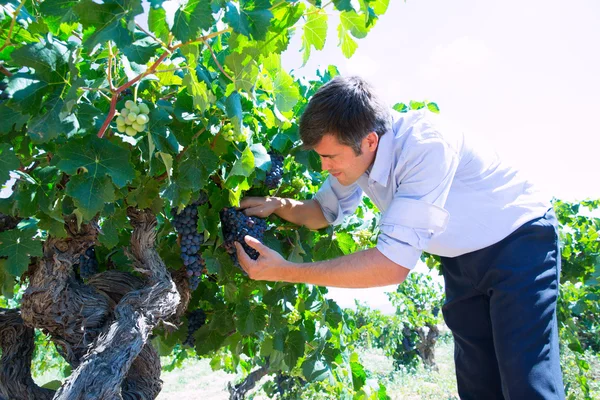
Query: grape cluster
133, 118
196, 320
275, 172
235, 225
186, 224
229, 134
88, 265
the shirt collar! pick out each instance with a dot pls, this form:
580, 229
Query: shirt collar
380, 172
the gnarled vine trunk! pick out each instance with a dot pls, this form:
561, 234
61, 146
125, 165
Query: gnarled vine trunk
16, 342
101, 328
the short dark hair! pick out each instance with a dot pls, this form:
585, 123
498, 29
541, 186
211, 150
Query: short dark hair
346, 107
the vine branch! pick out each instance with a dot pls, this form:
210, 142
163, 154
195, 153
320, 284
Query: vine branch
8, 41
170, 49
214, 57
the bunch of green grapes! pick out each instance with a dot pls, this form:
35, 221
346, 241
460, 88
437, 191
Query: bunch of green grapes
229, 134
133, 118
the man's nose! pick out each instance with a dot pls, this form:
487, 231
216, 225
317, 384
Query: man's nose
325, 164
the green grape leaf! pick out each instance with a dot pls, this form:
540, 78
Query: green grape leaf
48, 58
27, 91
89, 117
294, 348
379, 6
52, 122
18, 245
250, 318
326, 249
98, 157
343, 5
243, 166
51, 225
191, 19
433, 107
8, 162
201, 96
144, 195
416, 105
315, 369
253, 19
107, 22
233, 107
157, 22
347, 44
262, 160
198, 164
10, 119
245, 71
354, 23
111, 226
56, 8
208, 338
315, 32
400, 107
359, 375
141, 51
90, 192
346, 242
286, 91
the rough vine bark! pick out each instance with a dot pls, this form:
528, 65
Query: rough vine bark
238, 392
426, 347
17, 344
104, 368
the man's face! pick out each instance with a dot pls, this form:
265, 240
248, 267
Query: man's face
342, 162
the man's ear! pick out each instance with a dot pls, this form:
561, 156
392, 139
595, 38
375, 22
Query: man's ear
372, 141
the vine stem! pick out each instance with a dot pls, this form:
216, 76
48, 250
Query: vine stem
214, 57
5, 71
7, 42
170, 49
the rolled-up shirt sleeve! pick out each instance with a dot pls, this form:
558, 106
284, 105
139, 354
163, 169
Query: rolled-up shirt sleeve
336, 200
425, 173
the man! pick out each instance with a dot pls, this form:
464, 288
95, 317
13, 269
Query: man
497, 237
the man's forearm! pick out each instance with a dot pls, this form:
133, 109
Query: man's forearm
367, 268
301, 212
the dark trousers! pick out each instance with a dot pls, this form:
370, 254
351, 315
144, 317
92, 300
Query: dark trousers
501, 308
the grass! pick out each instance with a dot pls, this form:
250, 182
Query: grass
195, 379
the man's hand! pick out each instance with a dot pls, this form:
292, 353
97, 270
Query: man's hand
266, 267
260, 206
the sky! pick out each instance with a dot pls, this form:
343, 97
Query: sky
522, 75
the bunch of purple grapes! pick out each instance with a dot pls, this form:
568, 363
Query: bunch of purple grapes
275, 173
235, 225
88, 265
186, 224
196, 320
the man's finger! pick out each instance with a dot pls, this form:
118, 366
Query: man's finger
254, 211
255, 244
250, 202
243, 258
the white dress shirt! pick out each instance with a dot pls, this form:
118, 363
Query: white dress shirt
437, 192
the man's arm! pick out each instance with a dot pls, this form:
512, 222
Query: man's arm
299, 212
367, 268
